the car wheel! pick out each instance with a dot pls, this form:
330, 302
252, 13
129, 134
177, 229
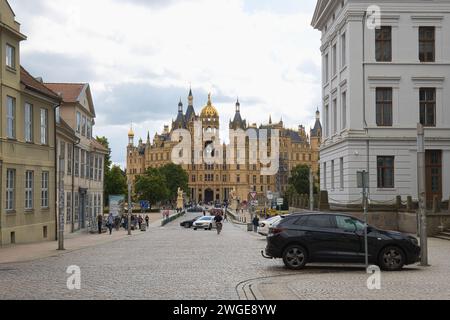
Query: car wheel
295, 257
195, 229
210, 227
392, 259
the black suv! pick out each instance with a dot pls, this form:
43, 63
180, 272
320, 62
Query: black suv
323, 237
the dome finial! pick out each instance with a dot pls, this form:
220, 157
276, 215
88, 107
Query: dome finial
131, 132
209, 99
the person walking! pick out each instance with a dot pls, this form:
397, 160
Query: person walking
100, 223
255, 223
110, 223
147, 221
140, 221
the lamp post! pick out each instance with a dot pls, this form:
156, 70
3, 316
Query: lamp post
130, 206
61, 204
421, 179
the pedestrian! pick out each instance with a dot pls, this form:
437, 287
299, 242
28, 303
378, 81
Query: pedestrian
140, 220
255, 223
110, 223
100, 223
147, 221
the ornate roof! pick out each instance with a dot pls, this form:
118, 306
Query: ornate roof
209, 111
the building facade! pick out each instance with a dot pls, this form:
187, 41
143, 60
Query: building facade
382, 75
27, 144
80, 157
215, 182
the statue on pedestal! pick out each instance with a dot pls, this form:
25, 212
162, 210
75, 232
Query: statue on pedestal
234, 200
180, 199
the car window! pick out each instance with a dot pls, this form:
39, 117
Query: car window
318, 221
301, 221
349, 224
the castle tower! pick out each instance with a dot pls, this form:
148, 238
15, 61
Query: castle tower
131, 137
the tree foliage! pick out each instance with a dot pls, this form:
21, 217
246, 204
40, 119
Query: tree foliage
176, 177
115, 182
152, 186
299, 180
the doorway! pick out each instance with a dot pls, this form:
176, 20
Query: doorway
209, 196
434, 175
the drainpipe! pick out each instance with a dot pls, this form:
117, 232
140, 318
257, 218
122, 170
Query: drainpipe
366, 127
76, 143
56, 171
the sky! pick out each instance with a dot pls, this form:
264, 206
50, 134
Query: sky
141, 56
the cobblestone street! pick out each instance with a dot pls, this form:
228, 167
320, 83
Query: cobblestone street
176, 263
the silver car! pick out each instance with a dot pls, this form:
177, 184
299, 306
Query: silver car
205, 223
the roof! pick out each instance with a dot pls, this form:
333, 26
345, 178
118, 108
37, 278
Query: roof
209, 111
31, 83
238, 123
63, 127
317, 130
70, 91
190, 113
98, 146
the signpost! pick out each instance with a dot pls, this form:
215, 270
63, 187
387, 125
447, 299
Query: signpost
363, 183
280, 202
116, 205
145, 205
421, 179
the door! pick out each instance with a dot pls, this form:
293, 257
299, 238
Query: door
320, 235
349, 242
434, 175
209, 196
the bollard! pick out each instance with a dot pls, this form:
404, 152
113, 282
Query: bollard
398, 202
409, 204
436, 205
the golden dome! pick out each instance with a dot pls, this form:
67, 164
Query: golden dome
209, 111
131, 132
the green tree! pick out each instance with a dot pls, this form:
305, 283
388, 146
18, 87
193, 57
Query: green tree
104, 142
115, 182
176, 177
300, 180
152, 186
107, 191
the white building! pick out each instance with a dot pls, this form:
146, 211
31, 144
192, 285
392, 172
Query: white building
377, 85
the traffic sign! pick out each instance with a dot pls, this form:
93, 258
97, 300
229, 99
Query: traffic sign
255, 203
253, 194
269, 195
145, 205
280, 201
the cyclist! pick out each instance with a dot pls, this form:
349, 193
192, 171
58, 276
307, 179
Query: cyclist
218, 219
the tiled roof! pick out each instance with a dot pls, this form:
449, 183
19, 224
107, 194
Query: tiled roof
97, 145
69, 91
29, 81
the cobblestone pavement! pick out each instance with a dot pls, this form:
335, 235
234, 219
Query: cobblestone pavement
175, 263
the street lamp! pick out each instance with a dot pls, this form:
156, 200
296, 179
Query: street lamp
130, 206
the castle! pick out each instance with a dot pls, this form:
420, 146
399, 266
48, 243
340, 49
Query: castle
215, 182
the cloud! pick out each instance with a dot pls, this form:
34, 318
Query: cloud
141, 56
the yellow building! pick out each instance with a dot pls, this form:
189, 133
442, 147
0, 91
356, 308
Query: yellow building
27, 144
215, 182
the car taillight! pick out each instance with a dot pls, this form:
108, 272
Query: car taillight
276, 230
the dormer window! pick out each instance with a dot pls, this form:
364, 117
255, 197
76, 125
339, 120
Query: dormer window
10, 56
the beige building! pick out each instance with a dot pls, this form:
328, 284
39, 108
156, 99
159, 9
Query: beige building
210, 183
80, 155
27, 144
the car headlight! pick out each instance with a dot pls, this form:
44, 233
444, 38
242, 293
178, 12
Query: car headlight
414, 241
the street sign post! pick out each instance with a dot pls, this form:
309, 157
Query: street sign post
363, 182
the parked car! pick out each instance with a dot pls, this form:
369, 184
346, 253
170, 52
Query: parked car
206, 223
323, 237
265, 225
189, 223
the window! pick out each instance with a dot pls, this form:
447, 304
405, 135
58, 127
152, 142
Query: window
83, 126
427, 44
28, 115
327, 121
69, 159
10, 56
11, 117
318, 221
89, 129
385, 170
325, 175
100, 169
10, 189
44, 126
91, 166
335, 111
29, 182
334, 57
349, 224
343, 50
332, 175
326, 68
238, 178
341, 166
428, 107
58, 115
76, 206
77, 162
344, 111
78, 122
44, 190
96, 168
62, 155
83, 164
384, 107
69, 207
383, 44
